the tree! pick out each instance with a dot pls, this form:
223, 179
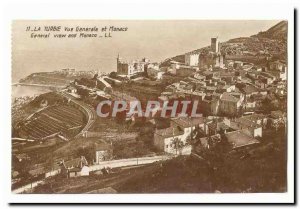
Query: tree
23, 168
87, 152
113, 75
146, 134
83, 92
140, 148
275, 125
95, 77
215, 150
177, 145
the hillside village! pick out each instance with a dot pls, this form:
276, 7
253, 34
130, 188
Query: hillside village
240, 86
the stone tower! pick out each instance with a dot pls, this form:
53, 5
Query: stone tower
215, 45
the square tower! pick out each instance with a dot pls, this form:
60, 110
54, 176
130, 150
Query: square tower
215, 45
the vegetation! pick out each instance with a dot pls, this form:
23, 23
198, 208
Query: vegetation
241, 171
177, 145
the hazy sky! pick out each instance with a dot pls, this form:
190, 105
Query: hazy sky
156, 40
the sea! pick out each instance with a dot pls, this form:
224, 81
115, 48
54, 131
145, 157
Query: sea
24, 90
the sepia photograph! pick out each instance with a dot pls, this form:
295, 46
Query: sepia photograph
149, 106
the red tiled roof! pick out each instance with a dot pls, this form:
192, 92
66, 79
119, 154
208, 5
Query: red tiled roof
188, 122
254, 116
236, 139
247, 122
73, 163
75, 170
277, 114
168, 132
228, 97
250, 89
239, 139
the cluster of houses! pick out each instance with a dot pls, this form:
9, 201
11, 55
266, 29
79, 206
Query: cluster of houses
127, 69
229, 93
75, 167
74, 72
96, 87
239, 132
225, 90
227, 86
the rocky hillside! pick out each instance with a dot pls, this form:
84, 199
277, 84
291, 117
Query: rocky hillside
278, 31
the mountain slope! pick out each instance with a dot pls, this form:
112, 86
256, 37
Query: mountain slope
271, 42
278, 31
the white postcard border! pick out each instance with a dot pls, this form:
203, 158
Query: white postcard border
134, 9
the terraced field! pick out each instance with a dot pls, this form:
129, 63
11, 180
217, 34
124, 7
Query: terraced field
63, 118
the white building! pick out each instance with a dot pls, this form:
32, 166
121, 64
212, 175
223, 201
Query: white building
180, 131
131, 68
191, 59
163, 139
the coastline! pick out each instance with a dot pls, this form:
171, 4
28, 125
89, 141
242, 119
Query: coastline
20, 90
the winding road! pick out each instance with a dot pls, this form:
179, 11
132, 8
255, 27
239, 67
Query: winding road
112, 164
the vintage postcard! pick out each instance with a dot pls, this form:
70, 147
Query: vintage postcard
149, 106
